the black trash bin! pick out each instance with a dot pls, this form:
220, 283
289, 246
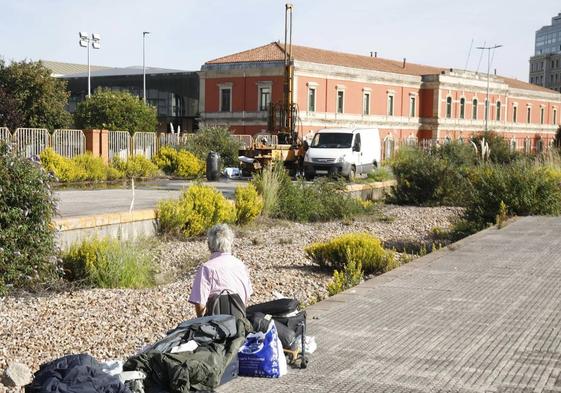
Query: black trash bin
213, 166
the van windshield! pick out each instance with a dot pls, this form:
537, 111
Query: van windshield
332, 140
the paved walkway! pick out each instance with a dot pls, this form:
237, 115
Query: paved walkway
76, 203
481, 316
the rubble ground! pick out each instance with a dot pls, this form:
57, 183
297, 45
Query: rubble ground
115, 323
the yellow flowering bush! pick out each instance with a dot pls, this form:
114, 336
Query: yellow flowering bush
249, 204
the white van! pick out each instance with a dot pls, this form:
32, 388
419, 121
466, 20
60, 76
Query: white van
342, 151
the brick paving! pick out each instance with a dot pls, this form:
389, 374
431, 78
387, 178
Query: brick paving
483, 315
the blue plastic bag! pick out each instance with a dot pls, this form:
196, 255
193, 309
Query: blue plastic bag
259, 356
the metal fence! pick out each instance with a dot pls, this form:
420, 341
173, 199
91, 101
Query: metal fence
30, 142
119, 144
175, 140
144, 144
5, 135
245, 141
68, 143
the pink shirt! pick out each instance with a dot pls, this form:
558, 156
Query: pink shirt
222, 271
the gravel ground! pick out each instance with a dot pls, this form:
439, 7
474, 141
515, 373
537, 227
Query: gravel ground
116, 323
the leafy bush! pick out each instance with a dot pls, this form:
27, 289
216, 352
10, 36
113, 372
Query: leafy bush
179, 162
269, 183
135, 167
199, 208
108, 263
27, 207
382, 173
248, 204
360, 247
115, 110
350, 276
498, 146
432, 177
218, 139
94, 167
525, 189
64, 169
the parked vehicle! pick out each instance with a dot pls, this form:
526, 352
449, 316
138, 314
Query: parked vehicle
342, 151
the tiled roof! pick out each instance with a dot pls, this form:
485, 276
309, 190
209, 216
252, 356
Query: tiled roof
59, 68
275, 52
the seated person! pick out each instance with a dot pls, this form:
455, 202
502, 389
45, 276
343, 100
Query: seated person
222, 271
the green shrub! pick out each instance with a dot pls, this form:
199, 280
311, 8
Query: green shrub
350, 276
135, 167
178, 162
379, 174
27, 244
269, 183
218, 139
64, 169
109, 263
525, 189
199, 208
500, 152
249, 204
360, 247
94, 167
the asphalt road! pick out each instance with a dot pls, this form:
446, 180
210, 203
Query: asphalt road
74, 203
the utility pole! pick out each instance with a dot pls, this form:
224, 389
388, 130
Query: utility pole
144, 34
85, 41
488, 49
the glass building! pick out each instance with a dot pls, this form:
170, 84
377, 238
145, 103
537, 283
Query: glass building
548, 38
545, 65
174, 93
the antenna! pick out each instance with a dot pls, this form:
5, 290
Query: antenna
469, 54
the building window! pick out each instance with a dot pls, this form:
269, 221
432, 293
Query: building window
498, 114
340, 101
264, 97
554, 115
474, 109
462, 108
448, 107
514, 114
539, 146
366, 103
542, 115
412, 106
390, 105
225, 99
311, 99
513, 145
528, 115
527, 145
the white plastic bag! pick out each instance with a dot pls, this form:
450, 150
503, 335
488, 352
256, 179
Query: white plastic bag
262, 355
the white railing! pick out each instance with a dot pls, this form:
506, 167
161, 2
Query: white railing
31, 142
5, 134
246, 141
68, 143
144, 144
119, 144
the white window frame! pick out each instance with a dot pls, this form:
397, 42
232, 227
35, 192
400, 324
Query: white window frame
412, 105
451, 107
515, 113
366, 108
264, 85
340, 90
388, 112
462, 113
474, 108
222, 87
314, 87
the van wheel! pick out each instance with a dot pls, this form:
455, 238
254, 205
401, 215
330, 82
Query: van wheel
309, 177
352, 174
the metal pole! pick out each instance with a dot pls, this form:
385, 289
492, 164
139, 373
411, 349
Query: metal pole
89, 72
144, 33
488, 48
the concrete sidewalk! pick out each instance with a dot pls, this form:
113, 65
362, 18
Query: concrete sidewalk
483, 315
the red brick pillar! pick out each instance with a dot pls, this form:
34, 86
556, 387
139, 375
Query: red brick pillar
104, 145
97, 143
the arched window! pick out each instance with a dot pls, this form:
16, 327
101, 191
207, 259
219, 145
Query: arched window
474, 109
514, 114
498, 114
527, 145
389, 146
448, 107
513, 145
539, 146
462, 108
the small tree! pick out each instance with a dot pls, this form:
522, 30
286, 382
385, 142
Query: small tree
39, 98
10, 113
218, 139
27, 245
115, 110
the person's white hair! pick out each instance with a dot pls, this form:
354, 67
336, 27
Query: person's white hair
220, 238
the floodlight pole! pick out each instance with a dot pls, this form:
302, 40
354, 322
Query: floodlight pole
85, 41
488, 49
144, 34
89, 72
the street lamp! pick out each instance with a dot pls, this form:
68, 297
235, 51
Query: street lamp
488, 49
144, 34
85, 40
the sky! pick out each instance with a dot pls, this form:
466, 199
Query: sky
187, 33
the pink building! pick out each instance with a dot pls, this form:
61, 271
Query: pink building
406, 101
